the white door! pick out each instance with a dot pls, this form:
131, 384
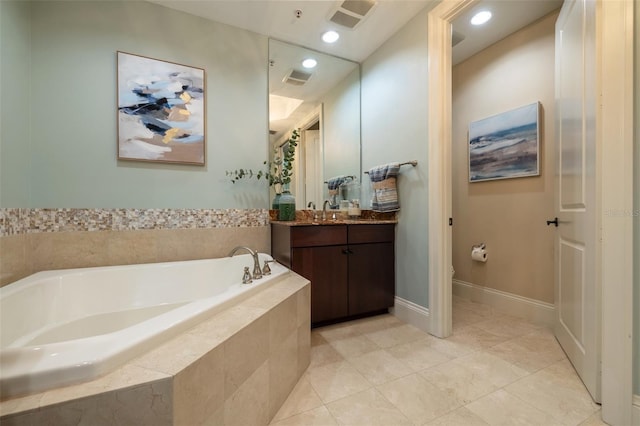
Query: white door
577, 287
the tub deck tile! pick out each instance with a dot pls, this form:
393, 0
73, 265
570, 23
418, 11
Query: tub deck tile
244, 352
223, 326
198, 390
184, 350
283, 372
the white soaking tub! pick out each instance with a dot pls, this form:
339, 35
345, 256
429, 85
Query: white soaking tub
68, 326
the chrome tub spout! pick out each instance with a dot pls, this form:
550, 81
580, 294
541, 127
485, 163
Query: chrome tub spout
257, 272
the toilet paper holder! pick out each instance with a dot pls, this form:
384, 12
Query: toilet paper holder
479, 253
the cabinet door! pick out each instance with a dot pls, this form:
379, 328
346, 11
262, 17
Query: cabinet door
326, 268
371, 277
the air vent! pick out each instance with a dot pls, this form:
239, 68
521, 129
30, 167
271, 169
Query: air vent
345, 20
358, 7
297, 77
351, 12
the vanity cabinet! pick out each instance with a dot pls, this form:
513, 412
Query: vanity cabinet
351, 267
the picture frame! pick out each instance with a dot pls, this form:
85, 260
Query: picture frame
161, 111
505, 145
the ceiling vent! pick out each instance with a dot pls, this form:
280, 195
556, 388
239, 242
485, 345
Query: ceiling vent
351, 12
297, 77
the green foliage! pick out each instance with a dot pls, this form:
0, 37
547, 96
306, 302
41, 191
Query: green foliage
289, 153
277, 171
236, 175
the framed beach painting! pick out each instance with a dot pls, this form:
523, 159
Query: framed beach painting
505, 145
161, 111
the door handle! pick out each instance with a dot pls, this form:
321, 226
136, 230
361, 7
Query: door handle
554, 221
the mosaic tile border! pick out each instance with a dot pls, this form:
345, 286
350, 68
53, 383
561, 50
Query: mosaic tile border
22, 221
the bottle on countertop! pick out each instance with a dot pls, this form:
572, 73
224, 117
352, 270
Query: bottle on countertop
354, 209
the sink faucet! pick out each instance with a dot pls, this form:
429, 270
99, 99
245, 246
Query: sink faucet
311, 205
257, 272
324, 210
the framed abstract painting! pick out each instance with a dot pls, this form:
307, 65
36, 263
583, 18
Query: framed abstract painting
505, 145
161, 111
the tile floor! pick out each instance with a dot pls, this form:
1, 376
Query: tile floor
494, 370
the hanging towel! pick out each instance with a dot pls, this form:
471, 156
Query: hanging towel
385, 190
335, 182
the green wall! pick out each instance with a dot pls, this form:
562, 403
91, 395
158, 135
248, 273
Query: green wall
15, 123
73, 107
394, 128
341, 127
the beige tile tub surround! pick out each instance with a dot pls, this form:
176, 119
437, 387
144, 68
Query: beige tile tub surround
33, 240
14, 263
236, 368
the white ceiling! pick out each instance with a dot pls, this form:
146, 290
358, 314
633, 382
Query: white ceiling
508, 17
277, 19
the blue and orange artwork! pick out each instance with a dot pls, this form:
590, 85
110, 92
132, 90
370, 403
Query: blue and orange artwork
505, 145
161, 111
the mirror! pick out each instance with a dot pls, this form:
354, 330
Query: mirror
324, 103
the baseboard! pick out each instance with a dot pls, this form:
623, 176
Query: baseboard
538, 312
635, 415
411, 313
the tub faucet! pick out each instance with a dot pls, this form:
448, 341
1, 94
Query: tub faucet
257, 272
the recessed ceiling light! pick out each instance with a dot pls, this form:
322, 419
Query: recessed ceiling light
481, 17
330, 37
309, 63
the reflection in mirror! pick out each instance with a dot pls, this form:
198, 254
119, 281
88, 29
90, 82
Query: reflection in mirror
324, 103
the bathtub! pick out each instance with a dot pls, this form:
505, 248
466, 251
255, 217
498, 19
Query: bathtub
68, 326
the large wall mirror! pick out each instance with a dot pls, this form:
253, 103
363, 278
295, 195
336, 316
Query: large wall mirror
323, 102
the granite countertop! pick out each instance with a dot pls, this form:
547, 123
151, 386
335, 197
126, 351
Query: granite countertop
330, 222
306, 218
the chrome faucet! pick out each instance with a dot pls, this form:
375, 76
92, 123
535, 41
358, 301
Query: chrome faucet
324, 210
257, 272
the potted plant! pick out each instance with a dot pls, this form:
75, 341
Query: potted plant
278, 174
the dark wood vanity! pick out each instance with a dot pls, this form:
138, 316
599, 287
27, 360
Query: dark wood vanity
351, 266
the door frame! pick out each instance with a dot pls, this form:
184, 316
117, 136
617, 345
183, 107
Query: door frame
615, 53
439, 156
615, 166
304, 152
298, 182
